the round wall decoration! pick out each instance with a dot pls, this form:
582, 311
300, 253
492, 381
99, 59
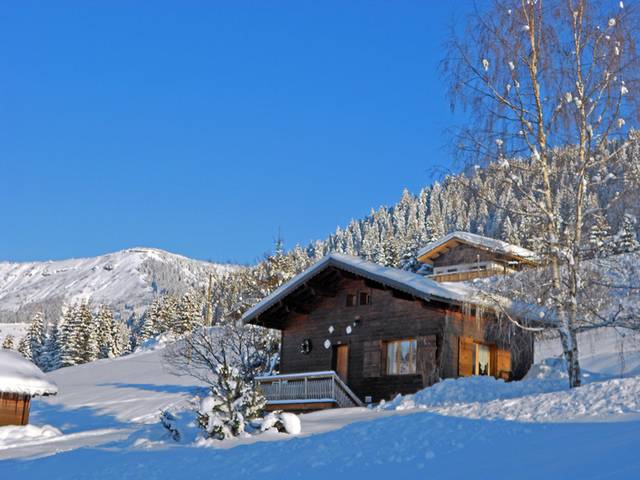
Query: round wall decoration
331, 329
327, 344
306, 346
349, 330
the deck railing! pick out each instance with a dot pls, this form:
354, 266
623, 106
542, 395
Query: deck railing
309, 387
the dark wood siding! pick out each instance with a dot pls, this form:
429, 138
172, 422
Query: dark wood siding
485, 329
388, 317
385, 318
463, 254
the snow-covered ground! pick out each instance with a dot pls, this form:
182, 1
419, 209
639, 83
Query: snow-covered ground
477, 427
127, 279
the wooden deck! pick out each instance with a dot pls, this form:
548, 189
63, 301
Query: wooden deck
307, 391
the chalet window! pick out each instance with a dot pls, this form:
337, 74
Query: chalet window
476, 358
483, 359
351, 300
365, 298
401, 357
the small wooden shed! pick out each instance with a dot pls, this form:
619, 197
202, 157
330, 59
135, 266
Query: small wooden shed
20, 380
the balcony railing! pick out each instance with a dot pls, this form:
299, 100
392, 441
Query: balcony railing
307, 388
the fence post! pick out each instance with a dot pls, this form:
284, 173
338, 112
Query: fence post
333, 388
306, 394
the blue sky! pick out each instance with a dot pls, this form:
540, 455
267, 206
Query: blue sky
204, 128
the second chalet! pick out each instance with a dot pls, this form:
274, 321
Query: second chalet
355, 332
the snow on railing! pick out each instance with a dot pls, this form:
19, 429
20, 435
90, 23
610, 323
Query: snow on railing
307, 387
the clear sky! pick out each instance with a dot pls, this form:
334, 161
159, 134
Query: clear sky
203, 128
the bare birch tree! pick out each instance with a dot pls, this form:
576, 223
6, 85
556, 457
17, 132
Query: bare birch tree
538, 77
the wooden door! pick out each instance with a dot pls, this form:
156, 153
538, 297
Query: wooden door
342, 361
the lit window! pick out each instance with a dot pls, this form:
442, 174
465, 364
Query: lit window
401, 357
483, 355
351, 300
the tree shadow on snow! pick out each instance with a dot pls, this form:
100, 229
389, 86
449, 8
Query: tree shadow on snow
188, 389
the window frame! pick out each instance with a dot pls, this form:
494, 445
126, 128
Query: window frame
368, 298
414, 358
351, 300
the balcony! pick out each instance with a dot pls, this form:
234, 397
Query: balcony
307, 391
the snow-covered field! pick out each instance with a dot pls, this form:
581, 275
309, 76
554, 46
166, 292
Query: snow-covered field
107, 417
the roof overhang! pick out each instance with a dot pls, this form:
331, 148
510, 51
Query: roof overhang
409, 283
447, 243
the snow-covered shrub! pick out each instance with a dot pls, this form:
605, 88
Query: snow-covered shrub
168, 421
231, 404
281, 421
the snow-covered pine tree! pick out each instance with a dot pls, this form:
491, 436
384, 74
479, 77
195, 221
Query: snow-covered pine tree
151, 321
104, 331
24, 348
167, 314
626, 240
121, 339
600, 240
89, 334
51, 352
8, 342
37, 337
70, 338
231, 403
188, 313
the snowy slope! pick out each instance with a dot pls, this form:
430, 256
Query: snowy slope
104, 425
126, 280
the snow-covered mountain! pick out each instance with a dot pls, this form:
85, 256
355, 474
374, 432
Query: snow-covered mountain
126, 280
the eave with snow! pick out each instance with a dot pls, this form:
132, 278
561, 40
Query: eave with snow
355, 332
461, 256
20, 380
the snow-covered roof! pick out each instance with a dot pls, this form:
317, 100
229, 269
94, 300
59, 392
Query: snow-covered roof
408, 282
18, 375
487, 243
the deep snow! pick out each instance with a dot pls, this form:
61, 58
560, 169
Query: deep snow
18, 375
472, 427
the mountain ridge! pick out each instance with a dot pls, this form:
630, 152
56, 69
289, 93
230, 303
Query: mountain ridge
127, 280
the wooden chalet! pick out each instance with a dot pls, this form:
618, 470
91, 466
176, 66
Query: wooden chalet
462, 256
20, 380
354, 332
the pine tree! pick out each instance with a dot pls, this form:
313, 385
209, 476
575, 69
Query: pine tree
626, 240
24, 348
167, 314
230, 404
51, 352
120, 335
104, 325
188, 314
600, 238
151, 322
32, 344
89, 335
8, 342
70, 338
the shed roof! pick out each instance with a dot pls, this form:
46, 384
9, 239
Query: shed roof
19, 375
408, 282
434, 249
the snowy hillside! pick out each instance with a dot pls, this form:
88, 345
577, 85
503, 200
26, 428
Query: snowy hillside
104, 424
126, 280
